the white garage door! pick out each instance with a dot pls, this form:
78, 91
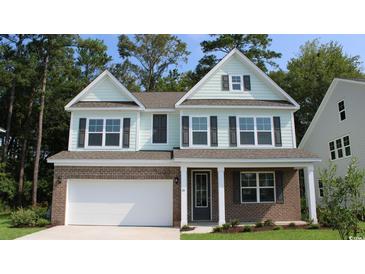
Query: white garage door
127, 202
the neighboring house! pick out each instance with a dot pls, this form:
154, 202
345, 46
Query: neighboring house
2, 136
337, 131
224, 150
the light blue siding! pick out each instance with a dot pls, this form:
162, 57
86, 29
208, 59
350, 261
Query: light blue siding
212, 88
173, 132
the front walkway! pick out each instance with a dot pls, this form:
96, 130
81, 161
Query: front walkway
105, 233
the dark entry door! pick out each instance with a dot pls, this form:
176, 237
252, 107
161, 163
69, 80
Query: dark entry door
201, 196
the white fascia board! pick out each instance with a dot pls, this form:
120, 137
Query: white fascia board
160, 110
102, 108
103, 162
274, 160
235, 106
251, 65
96, 80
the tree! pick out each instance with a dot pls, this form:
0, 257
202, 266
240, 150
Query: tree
174, 81
125, 74
310, 74
342, 199
154, 54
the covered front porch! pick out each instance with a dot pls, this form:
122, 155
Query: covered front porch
215, 192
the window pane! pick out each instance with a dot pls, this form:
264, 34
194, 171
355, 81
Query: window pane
347, 151
341, 106
200, 138
249, 195
267, 195
342, 115
338, 143
266, 179
247, 138
236, 79
112, 139
263, 123
340, 153
246, 124
96, 125
112, 125
333, 155
264, 138
332, 145
95, 139
199, 123
346, 141
248, 179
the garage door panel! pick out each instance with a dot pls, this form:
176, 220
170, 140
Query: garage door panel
120, 202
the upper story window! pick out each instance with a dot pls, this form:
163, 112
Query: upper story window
257, 187
199, 130
159, 129
340, 148
342, 110
100, 136
236, 83
255, 131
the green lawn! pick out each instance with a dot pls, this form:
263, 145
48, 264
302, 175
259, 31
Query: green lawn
295, 234
9, 233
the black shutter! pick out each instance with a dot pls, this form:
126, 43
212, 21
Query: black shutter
126, 132
232, 131
82, 127
247, 82
225, 82
277, 131
159, 134
236, 187
279, 186
213, 131
185, 131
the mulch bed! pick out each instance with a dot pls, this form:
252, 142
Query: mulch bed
239, 229
187, 228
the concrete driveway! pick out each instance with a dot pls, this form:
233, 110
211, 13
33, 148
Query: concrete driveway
104, 233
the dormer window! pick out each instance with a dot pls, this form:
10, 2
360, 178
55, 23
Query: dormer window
236, 83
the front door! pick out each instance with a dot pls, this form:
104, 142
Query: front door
201, 196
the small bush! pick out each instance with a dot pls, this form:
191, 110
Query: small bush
23, 218
41, 212
234, 223
292, 225
217, 229
277, 228
268, 222
42, 222
247, 228
259, 224
313, 226
226, 226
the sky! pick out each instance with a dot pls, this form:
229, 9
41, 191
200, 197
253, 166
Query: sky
287, 44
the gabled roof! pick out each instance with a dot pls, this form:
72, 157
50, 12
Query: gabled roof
120, 86
159, 100
251, 65
324, 103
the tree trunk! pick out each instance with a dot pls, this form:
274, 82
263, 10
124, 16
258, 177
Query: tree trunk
8, 122
21, 173
40, 131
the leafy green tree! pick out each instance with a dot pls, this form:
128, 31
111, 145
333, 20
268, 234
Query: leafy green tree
154, 55
174, 81
310, 74
342, 199
125, 74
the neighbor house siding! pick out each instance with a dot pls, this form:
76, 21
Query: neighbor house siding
212, 88
173, 132
105, 90
77, 114
223, 120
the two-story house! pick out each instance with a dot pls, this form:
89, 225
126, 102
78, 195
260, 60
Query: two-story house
336, 133
224, 150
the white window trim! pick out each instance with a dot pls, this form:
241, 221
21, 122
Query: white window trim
342, 148
167, 129
103, 146
231, 83
258, 187
191, 141
339, 112
195, 189
238, 130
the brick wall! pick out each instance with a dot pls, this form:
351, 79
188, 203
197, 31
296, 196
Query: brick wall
69, 172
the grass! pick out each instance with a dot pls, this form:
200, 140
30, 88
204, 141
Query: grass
9, 233
293, 234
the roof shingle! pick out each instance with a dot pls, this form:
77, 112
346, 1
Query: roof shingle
165, 99
236, 102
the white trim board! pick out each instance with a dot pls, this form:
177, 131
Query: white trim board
246, 61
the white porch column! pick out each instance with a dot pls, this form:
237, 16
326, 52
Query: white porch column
184, 196
310, 192
221, 203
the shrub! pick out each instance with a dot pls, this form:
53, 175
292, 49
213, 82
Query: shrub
324, 216
268, 222
41, 212
277, 228
23, 218
234, 223
247, 228
217, 229
42, 222
259, 224
226, 226
292, 225
313, 226
8, 187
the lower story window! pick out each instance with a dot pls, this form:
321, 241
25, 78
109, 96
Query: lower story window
320, 187
257, 187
